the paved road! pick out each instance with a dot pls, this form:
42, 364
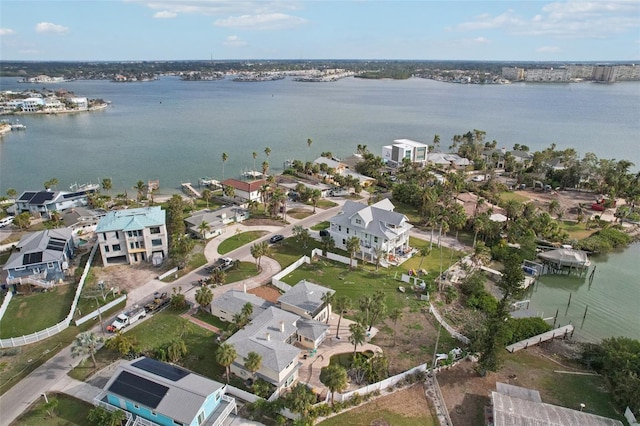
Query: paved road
52, 375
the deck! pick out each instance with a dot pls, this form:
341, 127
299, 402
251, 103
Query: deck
190, 190
535, 340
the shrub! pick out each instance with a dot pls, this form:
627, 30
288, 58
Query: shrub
523, 328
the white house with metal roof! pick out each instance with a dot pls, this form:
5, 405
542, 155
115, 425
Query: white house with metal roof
41, 258
216, 221
132, 236
376, 226
305, 299
156, 393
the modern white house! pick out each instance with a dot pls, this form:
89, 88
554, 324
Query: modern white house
133, 236
376, 226
247, 191
414, 151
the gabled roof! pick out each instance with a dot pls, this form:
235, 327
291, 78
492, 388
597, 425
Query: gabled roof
311, 329
164, 388
267, 335
245, 186
331, 163
131, 219
40, 247
377, 218
213, 217
306, 296
233, 301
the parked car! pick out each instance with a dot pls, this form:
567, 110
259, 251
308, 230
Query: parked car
276, 238
6, 221
324, 232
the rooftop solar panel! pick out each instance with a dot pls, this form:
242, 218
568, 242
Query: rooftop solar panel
31, 258
138, 389
55, 246
41, 197
27, 196
169, 372
74, 194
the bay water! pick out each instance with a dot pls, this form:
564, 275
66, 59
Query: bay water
176, 131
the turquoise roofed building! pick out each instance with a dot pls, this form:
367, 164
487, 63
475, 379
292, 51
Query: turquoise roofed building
133, 236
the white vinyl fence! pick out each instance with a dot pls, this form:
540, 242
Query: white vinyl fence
5, 303
275, 280
100, 310
464, 339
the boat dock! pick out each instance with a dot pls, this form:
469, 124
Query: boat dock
536, 340
190, 190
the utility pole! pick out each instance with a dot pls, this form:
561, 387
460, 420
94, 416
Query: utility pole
435, 350
100, 316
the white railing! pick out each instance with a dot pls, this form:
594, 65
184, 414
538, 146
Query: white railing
227, 410
275, 280
100, 310
244, 395
169, 272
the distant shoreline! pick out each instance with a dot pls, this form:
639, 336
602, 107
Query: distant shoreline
68, 111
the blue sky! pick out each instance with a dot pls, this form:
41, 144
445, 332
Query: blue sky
351, 29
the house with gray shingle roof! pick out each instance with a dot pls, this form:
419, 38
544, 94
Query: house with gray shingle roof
132, 236
165, 394
216, 221
305, 299
41, 257
376, 226
271, 335
232, 302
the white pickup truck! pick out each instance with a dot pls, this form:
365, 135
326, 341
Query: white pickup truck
125, 319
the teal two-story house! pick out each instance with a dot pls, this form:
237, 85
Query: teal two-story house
157, 393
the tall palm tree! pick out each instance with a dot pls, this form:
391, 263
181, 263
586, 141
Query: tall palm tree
267, 152
327, 299
315, 197
225, 157
140, 188
353, 245
436, 142
265, 167
358, 335
206, 196
334, 377
107, 184
394, 316
343, 304
225, 355
309, 142
204, 296
203, 228
254, 155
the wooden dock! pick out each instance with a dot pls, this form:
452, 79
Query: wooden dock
190, 190
535, 340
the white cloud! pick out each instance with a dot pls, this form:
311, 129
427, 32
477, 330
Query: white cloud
234, 41
482, 40
548, 49
165, 14
570, 19
222, 7
7, 32
48, 27
270, 21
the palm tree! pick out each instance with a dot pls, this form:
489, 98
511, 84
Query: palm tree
207, 195
379, 254
553, 207
267, 152
424, 252
327, 243
225, 355
334, 377
204, 296
86, 344
436, 142
11, 193
328, 298
343, 304
265, 167
394, 316
315, 197
229, 191
107, 184
358, 335
203, 228
253, 362
353, 245
218, 277
225, 157
309, 142
140, 187
300, 399
254, 155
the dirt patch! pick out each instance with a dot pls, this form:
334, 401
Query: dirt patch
262, 222
568, 201
267, 292
124, 277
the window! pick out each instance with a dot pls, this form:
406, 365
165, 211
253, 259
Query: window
104, 236
106, 249
136, 406
131, 245
375, 239
358, 222
51, 265
200, 418
157, 242
347, 230
129, 233
116, 234
344, 242
340, 228
155, 230
116, 247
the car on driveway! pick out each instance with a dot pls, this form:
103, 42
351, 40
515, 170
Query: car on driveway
324, 232
276, 238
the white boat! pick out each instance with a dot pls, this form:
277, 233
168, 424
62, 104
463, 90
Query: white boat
18, 126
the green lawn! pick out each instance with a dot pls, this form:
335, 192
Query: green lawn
27, 314
239, 240
432, 262
326, 204
70, 412
211, 319
245, 270
408, 210
320, 226
299, 213
288, 251
576, 230
512, 195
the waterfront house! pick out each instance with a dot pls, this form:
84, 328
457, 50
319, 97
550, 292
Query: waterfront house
247, 191
133, 236
231, 303
156, 393
271, 335
414, 151
43, 203
216, 221
376, 226
41, 258
448, 161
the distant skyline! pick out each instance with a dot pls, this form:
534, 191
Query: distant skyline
121, 30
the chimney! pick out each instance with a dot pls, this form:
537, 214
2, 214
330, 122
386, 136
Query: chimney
281, 326
268, 336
